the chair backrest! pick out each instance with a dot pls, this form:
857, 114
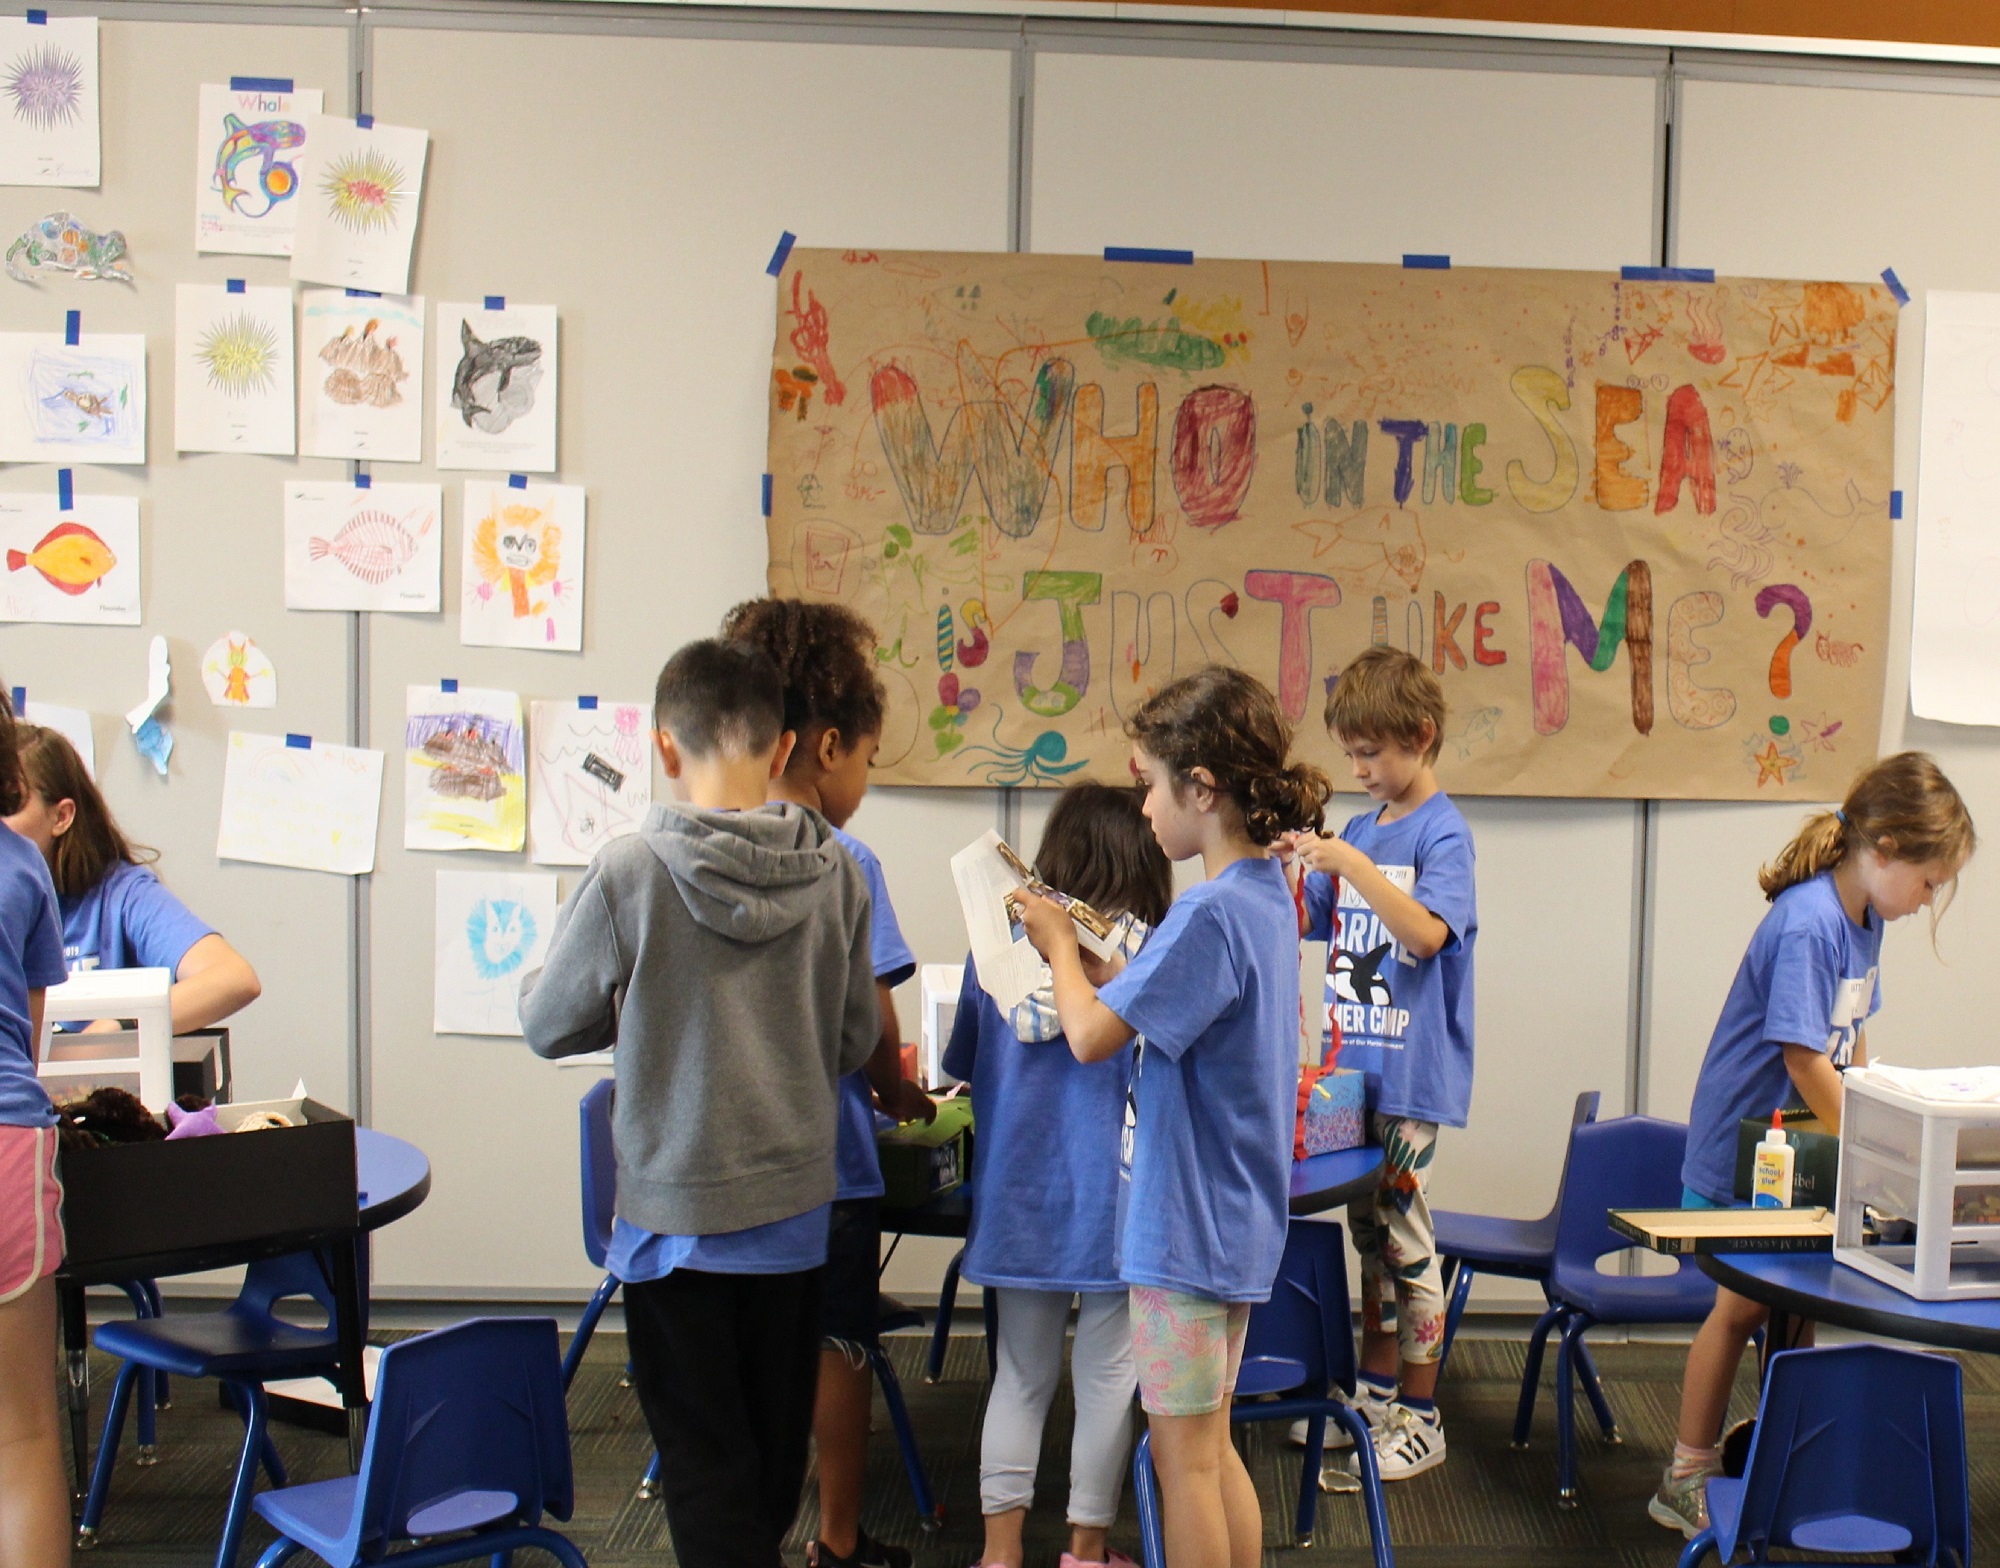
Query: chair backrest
1859, 1430
271, 1280
600, 1170
1306, 1321
1582, 1114
474, 1408
1629, 1162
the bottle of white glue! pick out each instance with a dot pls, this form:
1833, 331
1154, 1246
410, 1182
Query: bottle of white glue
1771, 1186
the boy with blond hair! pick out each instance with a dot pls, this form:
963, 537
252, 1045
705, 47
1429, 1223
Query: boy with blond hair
1393, 898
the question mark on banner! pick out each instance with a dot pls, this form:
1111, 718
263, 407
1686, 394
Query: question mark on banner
1796, 601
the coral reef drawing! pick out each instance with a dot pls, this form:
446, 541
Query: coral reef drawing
496, 381
364, 192
273, 180
240, 354
45, 85
470, 764
365, 369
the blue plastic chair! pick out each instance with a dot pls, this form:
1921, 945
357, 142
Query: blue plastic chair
468, 1433
1859, 1449
244, 1346
1470, 1244
1630, 1162
1299, 1346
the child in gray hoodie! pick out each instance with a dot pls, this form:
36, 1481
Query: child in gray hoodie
724, 953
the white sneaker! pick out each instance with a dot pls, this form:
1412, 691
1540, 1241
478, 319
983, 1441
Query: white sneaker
1406, 1444
1369, 1405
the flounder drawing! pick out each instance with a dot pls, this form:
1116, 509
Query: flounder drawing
374, 546
69, 556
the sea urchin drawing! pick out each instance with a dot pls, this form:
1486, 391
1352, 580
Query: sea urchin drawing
46, 87
240, 353
364, 191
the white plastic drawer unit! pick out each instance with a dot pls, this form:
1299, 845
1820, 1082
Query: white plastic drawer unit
1922, 1148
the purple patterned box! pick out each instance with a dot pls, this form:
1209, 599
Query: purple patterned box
1336, 1112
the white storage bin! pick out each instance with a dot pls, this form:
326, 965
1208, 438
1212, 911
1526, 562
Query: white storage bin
1910, 1153
140, 1059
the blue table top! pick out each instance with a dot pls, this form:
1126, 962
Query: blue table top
392, 1177
1329, 1181
1813, 1285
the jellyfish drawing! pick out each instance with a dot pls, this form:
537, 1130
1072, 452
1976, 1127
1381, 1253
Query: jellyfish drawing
1044, 760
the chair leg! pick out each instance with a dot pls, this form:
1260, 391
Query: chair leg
145, 1304
1593, 1390
649, 1483
257, 1421
1572, 1337
107, 1454
941, 1329
163, 1396
1697, 1549
1315, 1456
279, 1551
586, 1326
1371, 1484
1146, 1498
1458, 1289
928, 1513
267, 1452
1531, 1374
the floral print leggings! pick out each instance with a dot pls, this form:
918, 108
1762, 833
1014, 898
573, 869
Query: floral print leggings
1402, 1283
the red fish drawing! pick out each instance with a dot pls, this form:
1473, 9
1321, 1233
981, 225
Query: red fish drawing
70, 558
374, 546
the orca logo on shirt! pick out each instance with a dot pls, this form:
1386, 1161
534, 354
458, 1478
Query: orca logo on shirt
1359, 979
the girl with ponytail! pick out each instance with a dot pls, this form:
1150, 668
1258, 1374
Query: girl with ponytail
1793, 1021
1208, 1145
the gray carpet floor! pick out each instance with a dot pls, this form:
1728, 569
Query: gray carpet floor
1486, 1504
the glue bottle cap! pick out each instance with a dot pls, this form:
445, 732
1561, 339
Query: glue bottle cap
1776, 1135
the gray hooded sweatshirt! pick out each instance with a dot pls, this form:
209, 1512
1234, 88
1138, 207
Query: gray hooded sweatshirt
725, 955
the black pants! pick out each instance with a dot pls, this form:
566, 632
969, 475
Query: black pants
726, 1367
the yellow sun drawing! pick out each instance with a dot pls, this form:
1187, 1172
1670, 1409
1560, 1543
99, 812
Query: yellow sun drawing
363, 191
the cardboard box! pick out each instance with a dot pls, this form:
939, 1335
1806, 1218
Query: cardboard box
920, 1160
140, 1200
1815, 1165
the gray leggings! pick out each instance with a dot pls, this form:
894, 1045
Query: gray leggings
1028, 1367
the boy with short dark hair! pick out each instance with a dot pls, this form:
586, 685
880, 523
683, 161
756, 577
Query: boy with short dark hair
1393, 897
724, 952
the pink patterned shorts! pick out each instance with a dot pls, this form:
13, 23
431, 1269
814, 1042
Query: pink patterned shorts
31, 1236
1187, 1349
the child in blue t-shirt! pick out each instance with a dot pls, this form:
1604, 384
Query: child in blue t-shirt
834, 703
34, 1493
1793, 1021
1215, 994
1393, 898
1045, 1193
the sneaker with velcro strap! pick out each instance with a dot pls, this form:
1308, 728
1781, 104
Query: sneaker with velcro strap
1366, 1403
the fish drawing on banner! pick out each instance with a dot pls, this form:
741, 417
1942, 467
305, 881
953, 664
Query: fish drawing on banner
250, 193
63, 245
374, 545
71, 558
495, 383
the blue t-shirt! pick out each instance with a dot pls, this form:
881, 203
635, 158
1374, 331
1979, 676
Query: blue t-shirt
1215, 993
1405, 1022
1810, 978
129, 921
31, 959
781, 1247
857, 1166
1045, 1185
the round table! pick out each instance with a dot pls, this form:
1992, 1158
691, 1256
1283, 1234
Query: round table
1810, 1286
1332, 1181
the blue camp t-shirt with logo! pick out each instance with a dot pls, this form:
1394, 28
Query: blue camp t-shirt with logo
129, 921
857, 1167
1404, 1021
31, 959
1811, 978
1215, 994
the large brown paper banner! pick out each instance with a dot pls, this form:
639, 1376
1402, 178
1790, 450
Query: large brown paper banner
1638, 525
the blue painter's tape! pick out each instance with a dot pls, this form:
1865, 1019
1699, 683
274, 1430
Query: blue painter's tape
588, 704
20, 702
235, 285
1895, 285
38, 19
1164, 258
1423, 263
767, 495
447, 684
365, 122
1667, 274
786, 241
260, 84
299, 742
1895, 504
65, 490
364, 293
363, 481
496, 302
72, 328
517, 481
